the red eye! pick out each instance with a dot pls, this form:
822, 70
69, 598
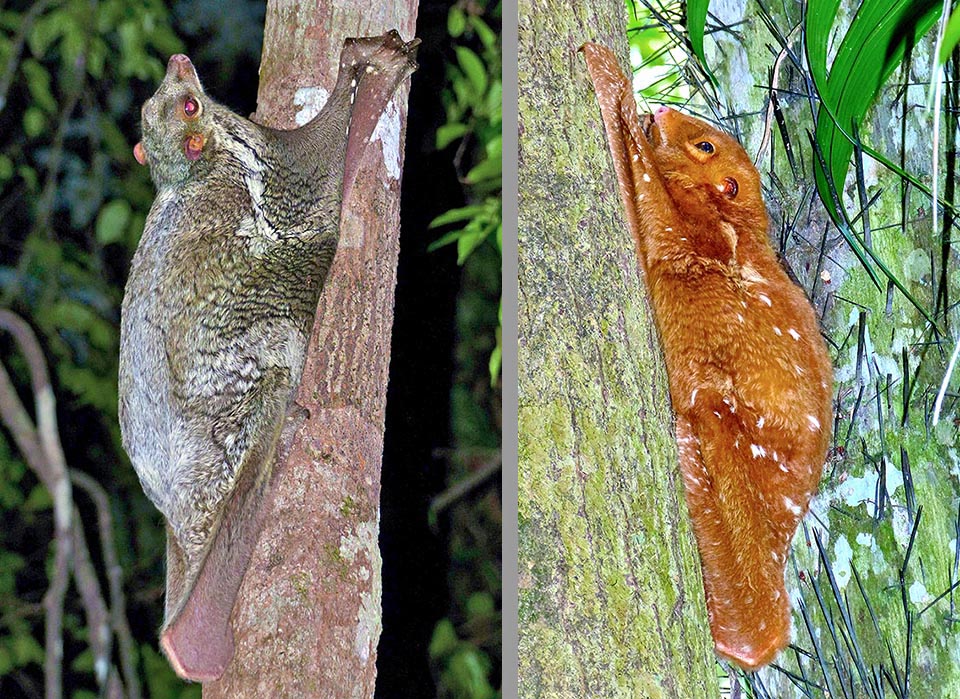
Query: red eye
730, 187
191, 108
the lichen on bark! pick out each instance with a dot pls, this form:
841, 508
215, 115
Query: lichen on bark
611, 602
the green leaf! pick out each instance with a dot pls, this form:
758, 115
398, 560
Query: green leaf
473, 67
34, 122
484, 170
696, 27
456, 21
494, 101
480, 604
112, 221
487, 36
467, 674
951, 36
97, 58
30, 177
38, 500
448, 133
446, 239
45, 31
26, 650
468, 242
494, 147
444, 639
464, 213
869, 52
83, 662
38, 82
6, 660
6, 168
496, 361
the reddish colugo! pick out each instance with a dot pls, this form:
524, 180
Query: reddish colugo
750, 378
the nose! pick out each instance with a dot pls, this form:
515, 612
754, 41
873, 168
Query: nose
180, 66
661, 111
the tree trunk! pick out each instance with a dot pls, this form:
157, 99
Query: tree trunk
307, 620
611, 602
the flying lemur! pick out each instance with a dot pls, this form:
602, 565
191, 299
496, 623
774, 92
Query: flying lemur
217, 314
750, 377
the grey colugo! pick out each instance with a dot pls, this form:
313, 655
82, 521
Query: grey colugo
217, 315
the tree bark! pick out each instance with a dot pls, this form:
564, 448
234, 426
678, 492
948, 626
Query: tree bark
611, 602
307, 620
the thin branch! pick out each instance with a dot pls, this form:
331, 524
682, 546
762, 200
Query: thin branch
49, 464
463, 487
118, 604
98, 617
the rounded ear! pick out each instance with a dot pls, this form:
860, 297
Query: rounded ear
729, 187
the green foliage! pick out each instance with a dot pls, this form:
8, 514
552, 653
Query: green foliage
870, 50
466, 645
473, 103
73, 202
161, 682
466, 668
951, 36
696, 25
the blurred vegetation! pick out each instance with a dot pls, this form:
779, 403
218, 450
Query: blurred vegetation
73, 74
466, 646
847, 109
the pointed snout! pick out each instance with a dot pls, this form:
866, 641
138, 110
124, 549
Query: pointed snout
180, 67
657, 115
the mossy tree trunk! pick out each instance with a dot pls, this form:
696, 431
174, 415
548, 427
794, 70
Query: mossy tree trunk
307, 620
611, 602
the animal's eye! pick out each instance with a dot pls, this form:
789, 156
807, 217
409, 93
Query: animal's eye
705, 146
191, 108
730, 187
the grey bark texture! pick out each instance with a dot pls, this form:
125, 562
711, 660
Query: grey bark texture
307, 621
611, 601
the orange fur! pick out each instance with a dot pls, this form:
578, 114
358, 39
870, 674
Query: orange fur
750, 379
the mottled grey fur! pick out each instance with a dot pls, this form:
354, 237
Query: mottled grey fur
222, 292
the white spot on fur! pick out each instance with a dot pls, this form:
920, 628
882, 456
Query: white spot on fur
777, 331
814, 423
309, 101
757, 451
693, 396
794, 334
791, 505
765, 299
760, 427
741, 318
749, 274
646, 177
